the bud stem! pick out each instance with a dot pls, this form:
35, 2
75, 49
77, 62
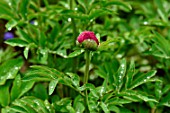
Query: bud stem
86, 76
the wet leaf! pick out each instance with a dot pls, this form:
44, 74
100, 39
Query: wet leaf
16, 42
9, 69
75, 79
75, 53
104, 107
26, 50
52, 86
118, 78
130, 74
142, 79
138, 94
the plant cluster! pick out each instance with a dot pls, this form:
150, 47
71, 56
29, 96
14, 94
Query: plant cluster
84, 56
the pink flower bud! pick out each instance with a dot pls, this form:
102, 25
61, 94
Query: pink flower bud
87, 35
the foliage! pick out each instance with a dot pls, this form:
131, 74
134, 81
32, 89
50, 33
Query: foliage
41, 68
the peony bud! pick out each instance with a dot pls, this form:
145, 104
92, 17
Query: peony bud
88, 40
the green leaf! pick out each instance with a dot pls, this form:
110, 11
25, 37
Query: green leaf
14, 109
130, 74
26, 86
78, 104
42, 39
40, 91
25, 36
31, 105
158, 89
142, 79
19, 87
5, 11
12, 23
104, 107
15, 91
62, 105
4, 94
113, 108
23, 8
52, 86
96, 13
26, 50
165, 101
119, 76
161, 10
118, 101
137, 94
119, 3
75, 53
166, 89
9, 69
75, 79
42, 72
106, 44
90, 87
162, 44
16, 42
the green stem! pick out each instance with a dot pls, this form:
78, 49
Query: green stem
86, 76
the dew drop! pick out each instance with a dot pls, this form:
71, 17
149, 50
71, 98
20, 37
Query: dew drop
81, 50
9, 29
122, 65
101, 91
145, 23
9, 4
76, 8
121, 72
69, 19
16, 68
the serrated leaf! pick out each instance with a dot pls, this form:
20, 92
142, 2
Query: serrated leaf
9, 69
75, 53
142, 79
52, 86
